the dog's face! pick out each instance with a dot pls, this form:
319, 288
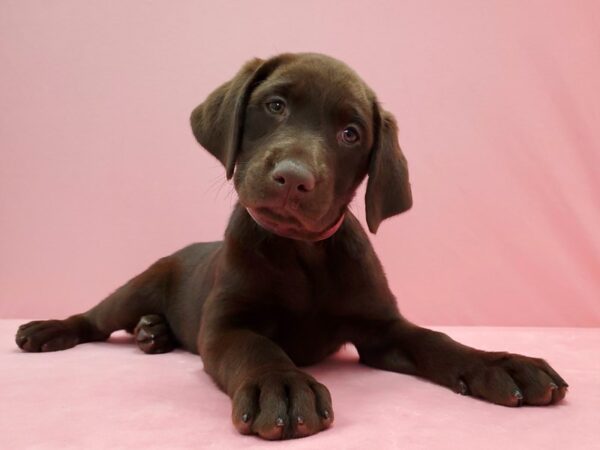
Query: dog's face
307, 137
301, 132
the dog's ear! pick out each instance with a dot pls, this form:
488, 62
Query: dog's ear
218, 122
388, 188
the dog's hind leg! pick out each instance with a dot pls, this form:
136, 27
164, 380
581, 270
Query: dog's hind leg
145, 294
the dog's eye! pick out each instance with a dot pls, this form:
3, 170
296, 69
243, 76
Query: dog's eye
350, 135
276, 106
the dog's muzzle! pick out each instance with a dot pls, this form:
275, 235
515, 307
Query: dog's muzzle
290, 232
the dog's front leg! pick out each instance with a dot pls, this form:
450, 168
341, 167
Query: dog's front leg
504, 378
271, 397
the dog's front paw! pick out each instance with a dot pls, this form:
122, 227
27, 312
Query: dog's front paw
282, 405
46, 336
512, 380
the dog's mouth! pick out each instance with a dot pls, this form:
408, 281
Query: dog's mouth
283, 224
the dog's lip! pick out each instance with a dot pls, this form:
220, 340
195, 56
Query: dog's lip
288, 226
276, 217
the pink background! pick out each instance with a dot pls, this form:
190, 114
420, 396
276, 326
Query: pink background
499, 110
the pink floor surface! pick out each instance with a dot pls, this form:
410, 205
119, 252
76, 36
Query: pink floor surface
110, 395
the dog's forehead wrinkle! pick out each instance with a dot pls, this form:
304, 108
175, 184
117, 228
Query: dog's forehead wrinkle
350, 109
320, 72
272, 85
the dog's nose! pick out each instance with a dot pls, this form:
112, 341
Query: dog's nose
294, 176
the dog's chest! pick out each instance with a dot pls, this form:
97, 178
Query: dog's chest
306, 338
302, 319
302, 307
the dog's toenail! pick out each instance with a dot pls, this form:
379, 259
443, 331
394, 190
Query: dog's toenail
553, 386
517, 393
300, 420
143, 336
279, 422
462, 388
245, 417
519, 396
326, 414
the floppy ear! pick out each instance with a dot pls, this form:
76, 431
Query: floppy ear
388, 188
218, 122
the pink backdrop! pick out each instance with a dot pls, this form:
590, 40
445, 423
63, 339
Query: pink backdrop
499, 112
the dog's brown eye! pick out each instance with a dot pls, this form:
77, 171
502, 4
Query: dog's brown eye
276, 106
350, 135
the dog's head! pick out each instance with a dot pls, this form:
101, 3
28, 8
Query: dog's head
298, 133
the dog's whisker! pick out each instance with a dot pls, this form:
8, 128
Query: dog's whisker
216, 185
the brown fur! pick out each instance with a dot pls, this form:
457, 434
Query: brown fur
276, 296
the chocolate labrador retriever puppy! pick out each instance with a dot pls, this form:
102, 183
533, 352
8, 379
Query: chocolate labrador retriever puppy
296, 276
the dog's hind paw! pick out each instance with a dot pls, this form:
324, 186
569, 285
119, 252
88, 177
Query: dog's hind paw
153, 335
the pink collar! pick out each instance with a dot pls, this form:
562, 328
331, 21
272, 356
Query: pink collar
331, 230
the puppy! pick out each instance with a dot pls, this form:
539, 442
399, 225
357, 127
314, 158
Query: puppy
296, 276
